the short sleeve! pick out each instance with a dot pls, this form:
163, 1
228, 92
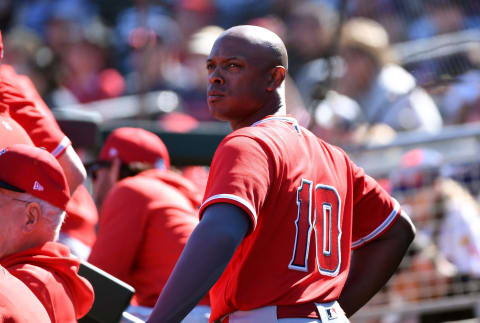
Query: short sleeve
374, 210
239, 175
28, 109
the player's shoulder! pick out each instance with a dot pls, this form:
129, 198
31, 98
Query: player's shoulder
265, 131
248, 132
149, 184
328, 147
242, 138
132, 186
31, 274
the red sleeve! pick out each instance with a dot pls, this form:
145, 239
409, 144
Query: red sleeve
374, 210
118, 240
30, 111
82, 217
240, 175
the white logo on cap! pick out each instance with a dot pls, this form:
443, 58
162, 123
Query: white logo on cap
3, 151
37, 186
160, 164
113, 152
7, 125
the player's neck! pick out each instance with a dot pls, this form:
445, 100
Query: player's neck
259, 115
274, 105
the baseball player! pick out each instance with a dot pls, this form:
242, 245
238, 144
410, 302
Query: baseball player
20, 101
147, 213
291, 230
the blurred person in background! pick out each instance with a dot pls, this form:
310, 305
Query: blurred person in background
193, 15
21, 48
445, 257
310, 30
149, 42
194, 98
34, 194
85, 71
378, 91
460, 102
234, 12
146, 210
443, 17
393, 15
37, 14
56, 23
385, 91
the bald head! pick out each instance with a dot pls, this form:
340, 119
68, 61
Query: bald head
246, 73
262, 42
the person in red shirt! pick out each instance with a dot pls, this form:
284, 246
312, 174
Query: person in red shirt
33, 195
291, 228
145, 209
20, 101
17, 303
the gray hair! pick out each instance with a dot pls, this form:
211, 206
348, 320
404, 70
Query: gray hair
54, 215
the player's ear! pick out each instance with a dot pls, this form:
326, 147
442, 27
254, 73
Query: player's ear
32, 215
277, 76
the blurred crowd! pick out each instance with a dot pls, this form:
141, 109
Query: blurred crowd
349, 84
349, 81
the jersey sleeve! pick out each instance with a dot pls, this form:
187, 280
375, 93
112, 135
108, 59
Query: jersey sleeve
239, 175
374, 210
27, 108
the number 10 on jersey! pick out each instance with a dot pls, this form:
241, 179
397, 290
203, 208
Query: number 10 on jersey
318, 211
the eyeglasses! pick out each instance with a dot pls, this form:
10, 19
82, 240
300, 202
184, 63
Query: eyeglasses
19, 200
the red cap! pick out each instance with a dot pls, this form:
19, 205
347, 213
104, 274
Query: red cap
132, 145
33, 170
12, 133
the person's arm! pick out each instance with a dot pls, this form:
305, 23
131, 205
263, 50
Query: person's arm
30, 111
205, 257
373, 264
73, 168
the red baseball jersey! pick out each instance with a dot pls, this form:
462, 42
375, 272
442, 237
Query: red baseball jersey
19, 96
145, 222
17, 303
51, 273
308, 206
